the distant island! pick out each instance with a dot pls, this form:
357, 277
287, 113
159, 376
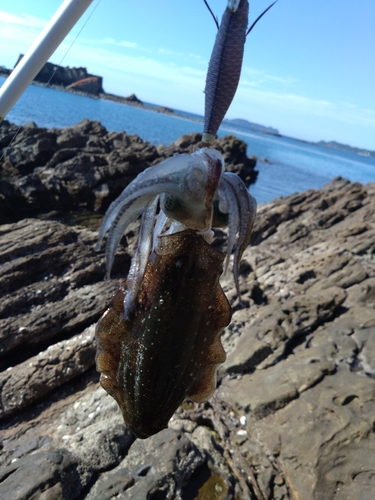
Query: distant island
346, 147
79, 81
240, 122
74, 79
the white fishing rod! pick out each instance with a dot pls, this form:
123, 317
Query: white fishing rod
40, 51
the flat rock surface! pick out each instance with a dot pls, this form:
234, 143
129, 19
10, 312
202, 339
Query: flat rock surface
293, 416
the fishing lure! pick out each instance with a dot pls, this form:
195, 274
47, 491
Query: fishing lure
225, 64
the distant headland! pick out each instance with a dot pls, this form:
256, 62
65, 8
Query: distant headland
79, 81
240, 122
346, 147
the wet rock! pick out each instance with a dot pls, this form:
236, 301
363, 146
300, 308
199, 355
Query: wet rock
41, 374
265, 339
133, 98
42, 475
84, 425
160, 466
363, 293
51, 284
65, 77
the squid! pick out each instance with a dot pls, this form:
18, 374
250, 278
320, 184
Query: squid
195, 193
169, 349
159, 343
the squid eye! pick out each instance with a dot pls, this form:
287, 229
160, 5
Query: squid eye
175, 208
220, 218
223, 206
194, 182
170, 204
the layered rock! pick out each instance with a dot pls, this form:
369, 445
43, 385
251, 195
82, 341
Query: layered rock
84, 166
293, 416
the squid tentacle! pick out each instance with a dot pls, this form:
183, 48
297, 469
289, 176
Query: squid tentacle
246, 206
149, 188
226, 195
187, 186
148, 181
169, 177
128, 214
159, 226
176, 227
141, 255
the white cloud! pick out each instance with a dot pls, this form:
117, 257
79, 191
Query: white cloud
151, 51
10, 20
131, 45
181, 55
144, 67
304, 106
198, 57
167, 52
122, 43
251, 77
17, 33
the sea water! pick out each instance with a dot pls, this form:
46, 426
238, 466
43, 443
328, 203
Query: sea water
285, 165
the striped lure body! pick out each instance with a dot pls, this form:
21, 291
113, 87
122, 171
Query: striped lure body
225, 65
224, 68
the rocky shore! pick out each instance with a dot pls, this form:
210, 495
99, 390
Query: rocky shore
79, 81
85, 167
293, 416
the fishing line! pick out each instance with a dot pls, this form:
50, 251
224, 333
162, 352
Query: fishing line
49, 80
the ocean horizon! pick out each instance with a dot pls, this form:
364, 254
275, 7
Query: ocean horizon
285, 165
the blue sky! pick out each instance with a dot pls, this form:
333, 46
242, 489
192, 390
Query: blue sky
309, 65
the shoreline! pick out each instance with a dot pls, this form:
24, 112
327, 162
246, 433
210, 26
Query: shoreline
135, 102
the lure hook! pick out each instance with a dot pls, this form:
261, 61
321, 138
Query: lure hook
215, 18
259, 17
